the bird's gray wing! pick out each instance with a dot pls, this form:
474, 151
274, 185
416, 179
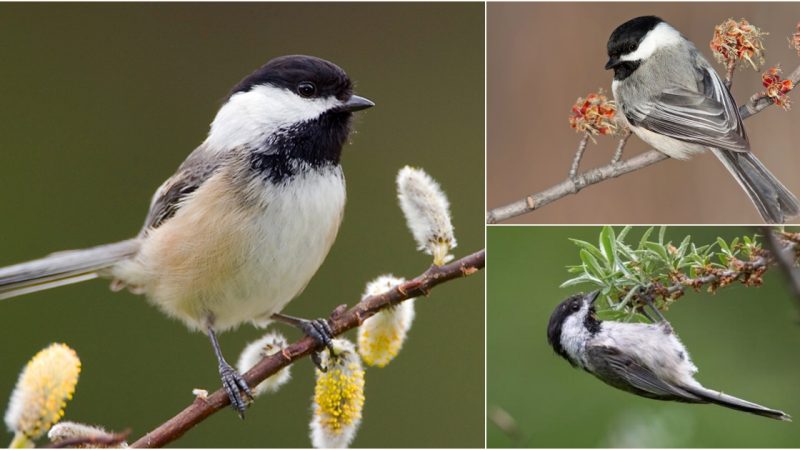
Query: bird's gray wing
625, 372
706, 116
198, 167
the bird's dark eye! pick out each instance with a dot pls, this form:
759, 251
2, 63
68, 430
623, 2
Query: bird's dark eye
575, 306
306, 89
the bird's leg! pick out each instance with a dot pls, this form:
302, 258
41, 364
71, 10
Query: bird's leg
319, 330
648, 299
232, 381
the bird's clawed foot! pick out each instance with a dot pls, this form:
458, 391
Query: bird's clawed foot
319, 330
236, 387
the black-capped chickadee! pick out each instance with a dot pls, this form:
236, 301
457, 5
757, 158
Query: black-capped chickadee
640, 358
675, 101
245, 222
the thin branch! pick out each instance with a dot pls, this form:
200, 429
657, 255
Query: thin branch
748, 273
784, 258
532, 202
730, 68
341, 320
626, 134
573, 171
758, 102
573, 186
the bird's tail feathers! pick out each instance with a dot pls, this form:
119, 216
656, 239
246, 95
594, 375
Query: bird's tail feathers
774, 202
62, 268
729, 401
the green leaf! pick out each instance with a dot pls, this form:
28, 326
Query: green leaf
592, 264
723, 245
623, 233
585, 278
590, 248
644, 238
661, 233
608, 244
684, 246
575, 269
658, 249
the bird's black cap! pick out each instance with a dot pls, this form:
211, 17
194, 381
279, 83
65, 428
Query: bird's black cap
291, 71
627, 37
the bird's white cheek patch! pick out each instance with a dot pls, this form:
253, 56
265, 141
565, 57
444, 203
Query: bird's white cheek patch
661, 36
249, 117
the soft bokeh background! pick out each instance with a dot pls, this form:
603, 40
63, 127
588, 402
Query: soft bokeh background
100, 105
542, 56
744, 340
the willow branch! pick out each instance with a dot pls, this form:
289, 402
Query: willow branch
749, 273
342, 319
757, 103
784, 258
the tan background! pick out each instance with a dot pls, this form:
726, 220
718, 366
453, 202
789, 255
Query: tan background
543, 56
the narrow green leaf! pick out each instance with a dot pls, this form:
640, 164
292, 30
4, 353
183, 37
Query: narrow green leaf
723, 245
658, 249
684, 246
623, 233
608, 244
644, 238
592, 264
585, 278
590, 248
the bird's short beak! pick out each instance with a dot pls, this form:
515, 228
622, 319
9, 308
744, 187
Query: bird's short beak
356, 103
612, 62
593, 296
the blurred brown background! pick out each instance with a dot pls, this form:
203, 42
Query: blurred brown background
542, 56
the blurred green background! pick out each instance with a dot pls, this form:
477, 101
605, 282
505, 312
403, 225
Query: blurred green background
101, 103
743, 340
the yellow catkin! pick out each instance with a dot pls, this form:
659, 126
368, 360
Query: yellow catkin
45, 385
381, 336
338, 397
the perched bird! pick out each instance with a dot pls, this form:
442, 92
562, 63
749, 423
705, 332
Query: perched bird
673, 99
645, 359
245, 222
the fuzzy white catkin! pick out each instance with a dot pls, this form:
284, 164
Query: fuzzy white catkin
427, 213
255, 351
381, 336
338, 397
73, 430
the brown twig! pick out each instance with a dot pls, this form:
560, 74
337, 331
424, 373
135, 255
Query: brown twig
783, 257
730, 67
341, 320
747, 273
757, 103
573, 186
573, 171
621, 145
